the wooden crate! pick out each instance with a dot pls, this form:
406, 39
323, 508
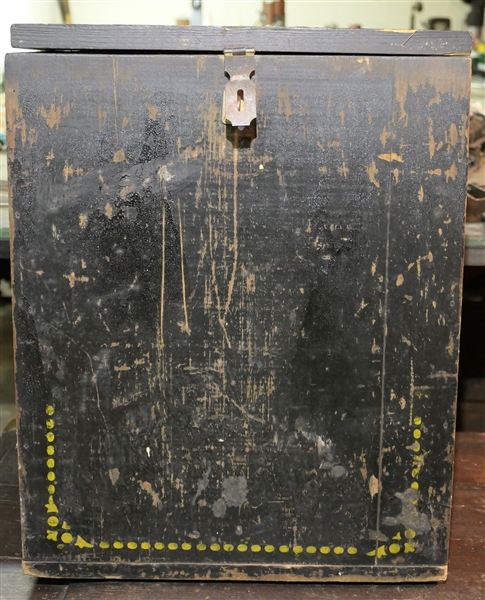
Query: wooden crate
237, 348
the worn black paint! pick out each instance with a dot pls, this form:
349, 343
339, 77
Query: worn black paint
294, 40
324, 332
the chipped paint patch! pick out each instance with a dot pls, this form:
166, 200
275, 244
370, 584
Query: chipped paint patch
372, 172
147, 487
73, 279
114, 475
390, 157
373, 486
119, 156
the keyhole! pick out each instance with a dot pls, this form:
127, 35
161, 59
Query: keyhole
240, 100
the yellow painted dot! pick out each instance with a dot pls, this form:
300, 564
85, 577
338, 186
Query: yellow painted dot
118, 545
417, 447
186, 546
325, 550
242, 548
51, 463
408, 547
103, 545
269, 548
158, 546
338, 550
284, 549
51, 476
66, 538
397, 536
255, 548
298, 549
352, 550
394, 548
65, 525
132, 545
60, 546
145, 546
410, 533
417, 420
52, 535
50, 450
53, 521
417, 434
172, 546
415, 485
50, 436
311, 549
215, 547
51, 489
415, 472
201, 547
228, 547
49, 423
49, 410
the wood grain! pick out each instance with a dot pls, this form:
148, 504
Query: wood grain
304, 40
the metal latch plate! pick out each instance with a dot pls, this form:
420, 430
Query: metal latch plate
239, 104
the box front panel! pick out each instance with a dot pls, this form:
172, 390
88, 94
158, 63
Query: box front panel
203, 315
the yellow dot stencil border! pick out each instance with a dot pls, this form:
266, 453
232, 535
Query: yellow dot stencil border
68, 538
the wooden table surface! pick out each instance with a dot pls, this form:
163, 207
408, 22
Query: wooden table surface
466, 579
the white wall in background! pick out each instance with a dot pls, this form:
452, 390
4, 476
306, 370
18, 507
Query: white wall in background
121, 12
231, 12
378, 14
24, 11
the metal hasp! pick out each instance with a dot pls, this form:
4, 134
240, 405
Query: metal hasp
239, 104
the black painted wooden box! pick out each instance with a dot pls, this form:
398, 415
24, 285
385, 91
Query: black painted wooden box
237, 345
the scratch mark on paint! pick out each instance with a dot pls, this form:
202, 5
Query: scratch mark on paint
235, 239
95, 381
185, 326
411, 391
421, 194
443, 375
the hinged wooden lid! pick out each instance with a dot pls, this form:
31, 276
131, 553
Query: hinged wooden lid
265, 40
